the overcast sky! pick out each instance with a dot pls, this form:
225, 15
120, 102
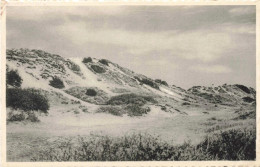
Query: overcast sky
184, 45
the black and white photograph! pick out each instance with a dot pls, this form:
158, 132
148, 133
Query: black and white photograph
98, 83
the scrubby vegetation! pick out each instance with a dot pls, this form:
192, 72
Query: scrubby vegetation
131, 110
131, 104
74, 67
56, 83
136, 110
229, 145
130, 99
12, 117
91, 92
104, 61
148, 82
185, 103
32, 117
20, 115
87, 60
13, 78
26, 99
248, 99
246, 115
114, 110
98, 69
161, 82
244, 88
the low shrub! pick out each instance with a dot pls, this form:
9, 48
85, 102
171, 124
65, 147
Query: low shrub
83, 109
246, 115
130, 99
32, 117
213, 118
16, 117
150, 83
117, 111
20, 115
104, 61
185, 103
91, 92
229, 145
87, 60
74, 67
56, 83
26, 99
161, 82
98, 69
165, 83
136, 110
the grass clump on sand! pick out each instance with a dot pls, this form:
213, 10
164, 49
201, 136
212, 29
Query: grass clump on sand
229, 145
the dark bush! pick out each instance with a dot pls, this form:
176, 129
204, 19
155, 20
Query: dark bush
243, 88
163, 108
248, 99
87, 60
98, 69
13, 78
91, 92
130, 99
26, 99
185, 103
161, 82
150, 83
165, 83
56, 83
104, 61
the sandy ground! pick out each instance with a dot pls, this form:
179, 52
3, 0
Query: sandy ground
24, 138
